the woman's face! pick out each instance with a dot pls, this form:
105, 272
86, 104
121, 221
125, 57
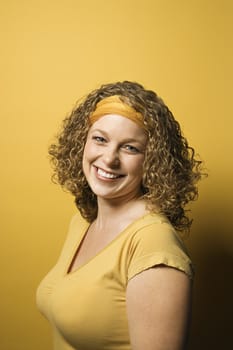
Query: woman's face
113, 158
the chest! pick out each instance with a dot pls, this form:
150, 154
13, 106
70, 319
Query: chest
92, 243
88, 305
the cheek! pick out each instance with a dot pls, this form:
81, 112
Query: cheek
88, 151
89, 154
137, 166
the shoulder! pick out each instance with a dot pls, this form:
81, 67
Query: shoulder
156, 233
77, 227
77, 220
155, 242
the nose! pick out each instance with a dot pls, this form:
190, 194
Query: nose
111, 157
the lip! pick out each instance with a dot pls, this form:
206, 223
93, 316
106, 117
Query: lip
107, 175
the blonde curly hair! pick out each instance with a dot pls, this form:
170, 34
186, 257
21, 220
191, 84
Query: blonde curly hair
170, 170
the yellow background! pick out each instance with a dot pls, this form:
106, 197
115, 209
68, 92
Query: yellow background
52, 53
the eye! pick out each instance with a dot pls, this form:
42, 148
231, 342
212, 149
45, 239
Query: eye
131, 149
98, 139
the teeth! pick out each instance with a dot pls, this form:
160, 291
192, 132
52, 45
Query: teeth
107, 175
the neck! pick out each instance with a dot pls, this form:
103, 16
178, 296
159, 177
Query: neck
119, 212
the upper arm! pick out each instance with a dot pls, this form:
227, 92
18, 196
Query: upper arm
158, 306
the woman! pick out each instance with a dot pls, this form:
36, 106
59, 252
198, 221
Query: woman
123, 280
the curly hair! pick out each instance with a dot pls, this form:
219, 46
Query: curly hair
170, 170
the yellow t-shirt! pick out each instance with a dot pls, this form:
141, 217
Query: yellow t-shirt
87, 307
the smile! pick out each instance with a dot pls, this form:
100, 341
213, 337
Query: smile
107, 175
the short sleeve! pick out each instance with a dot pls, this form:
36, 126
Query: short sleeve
157, 244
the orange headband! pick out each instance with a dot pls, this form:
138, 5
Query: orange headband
114, 105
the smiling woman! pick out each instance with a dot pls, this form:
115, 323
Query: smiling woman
122, 155
113, 162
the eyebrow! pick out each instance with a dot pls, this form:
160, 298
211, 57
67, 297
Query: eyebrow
130, 139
